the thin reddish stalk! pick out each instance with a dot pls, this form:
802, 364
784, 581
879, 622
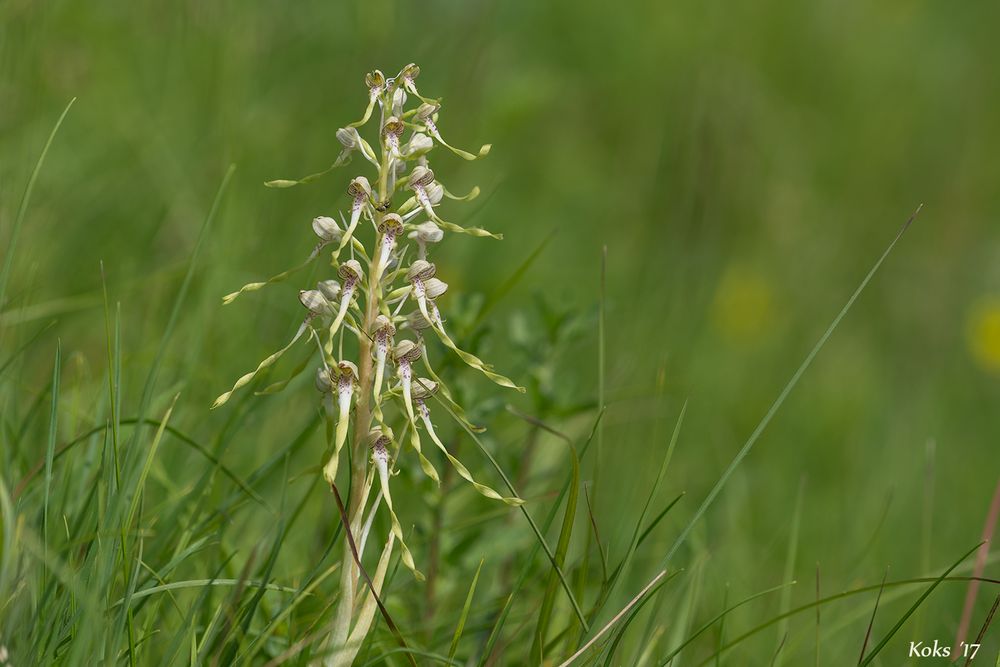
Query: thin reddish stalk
984, 551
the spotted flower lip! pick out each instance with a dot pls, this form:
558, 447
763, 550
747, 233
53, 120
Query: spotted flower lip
406, 350
350, 271
390, 227
420, 177
379, 442
360, 191
383, 331
420, 269
375, 81
408, 74
347, 369
383, 324
391, 224
392, 130
359, 188
347, 373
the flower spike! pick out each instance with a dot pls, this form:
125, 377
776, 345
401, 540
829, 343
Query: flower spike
359, 309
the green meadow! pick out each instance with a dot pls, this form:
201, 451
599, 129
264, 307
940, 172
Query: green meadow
760, 425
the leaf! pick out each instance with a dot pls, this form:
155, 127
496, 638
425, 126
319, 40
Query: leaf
22, 208
562, 546
766, 419
465, 612
914, 606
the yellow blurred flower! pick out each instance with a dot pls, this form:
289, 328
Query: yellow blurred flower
983, 333
742, 306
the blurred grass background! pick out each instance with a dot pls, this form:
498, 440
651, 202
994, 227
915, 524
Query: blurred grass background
744, 164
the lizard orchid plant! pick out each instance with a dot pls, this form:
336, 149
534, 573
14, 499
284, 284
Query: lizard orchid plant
382, 308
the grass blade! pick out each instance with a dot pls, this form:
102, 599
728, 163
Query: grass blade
512, 280
531, 522
720, 617
986, 626
22, 208
992, 516
871, 623
465, 613
913, 608
562, 546
832, 598
806, 363
610, 624
51, 445
793, 545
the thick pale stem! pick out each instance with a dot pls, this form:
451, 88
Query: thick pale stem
367, 613
362, 423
